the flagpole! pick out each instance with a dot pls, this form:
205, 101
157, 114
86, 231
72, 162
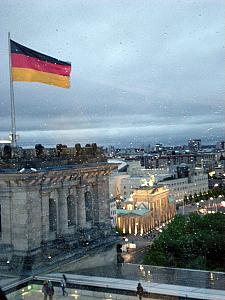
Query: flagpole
13, 118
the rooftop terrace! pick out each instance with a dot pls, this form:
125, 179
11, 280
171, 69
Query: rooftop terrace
95, 287
40, 157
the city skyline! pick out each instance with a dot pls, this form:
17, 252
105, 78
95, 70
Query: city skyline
142, 72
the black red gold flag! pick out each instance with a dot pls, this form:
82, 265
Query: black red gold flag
32, 66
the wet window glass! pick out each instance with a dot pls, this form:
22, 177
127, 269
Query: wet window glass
112, 149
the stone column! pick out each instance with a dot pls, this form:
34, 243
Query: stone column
34, 211
123, 223
141, 225
19, 220
63, 210
144, 224
119, 222
133, 225
73, 193
89, 206
135, 228
103, 199
95, 204
130, 231
45, 215
81, 213
5, 202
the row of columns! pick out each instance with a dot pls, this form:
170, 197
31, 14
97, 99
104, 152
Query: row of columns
144, 224
135, 225
25, 211
60, 197
99, 206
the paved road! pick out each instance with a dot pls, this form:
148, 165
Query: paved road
187, 209
136, 256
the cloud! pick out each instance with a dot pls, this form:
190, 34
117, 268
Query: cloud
139, 69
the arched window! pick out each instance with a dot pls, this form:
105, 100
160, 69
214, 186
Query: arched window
71, 211
88, 206
52, 215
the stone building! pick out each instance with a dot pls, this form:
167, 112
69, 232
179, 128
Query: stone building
195, 183
147, 208
52, 201
180, 179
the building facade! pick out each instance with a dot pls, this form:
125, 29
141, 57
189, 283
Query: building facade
181, 182
194, 145
148, 207
195, 183
53, 201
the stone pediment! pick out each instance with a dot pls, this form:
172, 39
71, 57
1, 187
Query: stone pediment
142, 206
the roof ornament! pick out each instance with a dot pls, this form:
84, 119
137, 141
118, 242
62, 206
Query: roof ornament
152, 181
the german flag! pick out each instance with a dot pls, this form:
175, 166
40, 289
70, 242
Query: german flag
32, 66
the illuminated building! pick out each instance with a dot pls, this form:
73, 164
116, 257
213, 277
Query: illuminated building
147, 208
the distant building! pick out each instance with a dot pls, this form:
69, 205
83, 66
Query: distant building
194, 145
158, 147
219, 170
183, 179
111, 151
222, 163
196, 182
220, 145
147, 149
208, 160
161, 162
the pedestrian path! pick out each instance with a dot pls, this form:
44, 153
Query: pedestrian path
36, 294
125, 286
90, 287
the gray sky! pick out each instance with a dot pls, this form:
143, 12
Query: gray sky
142, 71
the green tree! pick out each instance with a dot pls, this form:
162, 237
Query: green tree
210, 193
185, 199
192, 241
190, 198
205, 196
195, 197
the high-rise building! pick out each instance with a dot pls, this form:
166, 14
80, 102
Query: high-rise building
220, 145
194, 145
